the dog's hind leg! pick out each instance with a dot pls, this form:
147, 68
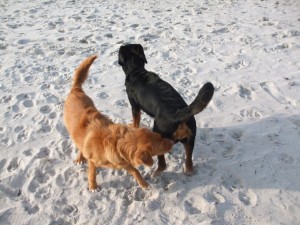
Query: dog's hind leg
80, 159
189, 143
92, 176
189, 168
161, 165
136, 118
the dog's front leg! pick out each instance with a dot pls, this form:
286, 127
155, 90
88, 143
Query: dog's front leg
161, 166
136, 114
92, 176
136, 174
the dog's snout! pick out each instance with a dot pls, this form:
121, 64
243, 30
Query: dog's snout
169, 144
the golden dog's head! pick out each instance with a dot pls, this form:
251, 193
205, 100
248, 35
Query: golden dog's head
150, 144
138, 146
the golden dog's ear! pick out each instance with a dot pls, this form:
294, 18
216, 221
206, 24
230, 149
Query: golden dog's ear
146, 159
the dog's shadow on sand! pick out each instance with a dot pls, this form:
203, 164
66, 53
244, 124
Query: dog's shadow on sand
257, 155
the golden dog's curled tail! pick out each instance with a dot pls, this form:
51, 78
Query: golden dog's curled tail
81, 72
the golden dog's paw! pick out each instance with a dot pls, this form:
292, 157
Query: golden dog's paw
80, 161
143, 184
94, 189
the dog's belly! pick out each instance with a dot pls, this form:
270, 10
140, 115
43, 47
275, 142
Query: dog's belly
109, 165
148, 112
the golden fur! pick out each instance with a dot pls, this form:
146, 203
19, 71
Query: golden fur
103, 143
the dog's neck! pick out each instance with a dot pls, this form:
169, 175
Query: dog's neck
134, 72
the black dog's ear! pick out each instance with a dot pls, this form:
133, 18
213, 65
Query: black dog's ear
140, 51
122, 56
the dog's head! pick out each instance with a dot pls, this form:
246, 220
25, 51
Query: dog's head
138, 146
132, 55
150, 144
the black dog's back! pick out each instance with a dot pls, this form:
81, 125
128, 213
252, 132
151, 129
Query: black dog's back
155, 96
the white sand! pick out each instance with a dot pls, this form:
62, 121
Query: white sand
247, 153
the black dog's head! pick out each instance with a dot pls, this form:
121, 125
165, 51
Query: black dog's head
132, 57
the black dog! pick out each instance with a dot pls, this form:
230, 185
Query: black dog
173, 118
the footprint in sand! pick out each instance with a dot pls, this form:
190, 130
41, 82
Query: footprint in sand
246, 92
2, 130
28, 152
5, 99
207, 168
45, 109
41, 178
43, 153
51, 99
102, 95
29, 207
285, 158
68, 178
26, 99
295, 121
276, 94
22, 133
29, 79
229, 147
62, 149
185, 81
231, 182
5, 142
238, 64
247, 197
14, 164
121, 103
2, 164
65, 210
175, 75
44, 127
190, 208
236, 134
252, 113
28, 103
229, 150
214, 197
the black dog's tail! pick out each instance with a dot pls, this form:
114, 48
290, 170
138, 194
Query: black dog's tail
198, 105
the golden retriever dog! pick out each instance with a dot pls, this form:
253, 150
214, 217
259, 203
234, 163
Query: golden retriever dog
103, 143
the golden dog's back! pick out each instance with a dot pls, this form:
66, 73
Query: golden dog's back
77, 103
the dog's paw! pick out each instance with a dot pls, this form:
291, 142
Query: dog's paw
145, 186
189, 172
156, 173
94, 190
79, 161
